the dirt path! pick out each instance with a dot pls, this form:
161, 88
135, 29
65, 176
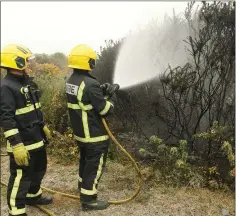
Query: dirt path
118, 183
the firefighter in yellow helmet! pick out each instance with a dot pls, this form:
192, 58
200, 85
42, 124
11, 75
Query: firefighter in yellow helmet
24, 130
88, 102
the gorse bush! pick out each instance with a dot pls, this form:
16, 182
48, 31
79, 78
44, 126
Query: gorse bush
105, 63
57, 59
178, 167
63, 147
172, 162
51, 81
221, 139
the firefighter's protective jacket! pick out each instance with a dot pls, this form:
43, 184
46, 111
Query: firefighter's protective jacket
20, 115
87, 105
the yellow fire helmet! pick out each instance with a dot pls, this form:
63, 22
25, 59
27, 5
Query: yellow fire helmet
15, 56
82, 57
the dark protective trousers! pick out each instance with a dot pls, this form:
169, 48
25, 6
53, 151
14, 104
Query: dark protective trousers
24, 182
91, 165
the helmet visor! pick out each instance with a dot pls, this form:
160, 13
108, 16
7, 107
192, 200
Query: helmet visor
92, 63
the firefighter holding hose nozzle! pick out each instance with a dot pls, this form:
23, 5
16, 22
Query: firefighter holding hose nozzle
88, 103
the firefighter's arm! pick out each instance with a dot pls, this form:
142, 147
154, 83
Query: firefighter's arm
7, 116
8, 123
101, 105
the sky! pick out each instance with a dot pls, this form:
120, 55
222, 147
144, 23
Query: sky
49, 27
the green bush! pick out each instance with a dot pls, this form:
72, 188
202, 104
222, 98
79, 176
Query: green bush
172, 163
222, 142
63, 147
51, 81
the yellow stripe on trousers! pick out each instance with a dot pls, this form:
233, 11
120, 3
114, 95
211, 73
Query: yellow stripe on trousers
15, 188
99, 172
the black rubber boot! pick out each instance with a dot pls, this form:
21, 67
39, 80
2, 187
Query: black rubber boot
95, 205
42, 200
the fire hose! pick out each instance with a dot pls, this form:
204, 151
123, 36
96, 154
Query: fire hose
46, 211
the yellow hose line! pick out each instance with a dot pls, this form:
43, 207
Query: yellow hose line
46, 211
61, 193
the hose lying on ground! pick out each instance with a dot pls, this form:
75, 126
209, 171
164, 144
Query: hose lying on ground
110, 201
46, 211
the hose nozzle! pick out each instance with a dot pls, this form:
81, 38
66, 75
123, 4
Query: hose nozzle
116, 87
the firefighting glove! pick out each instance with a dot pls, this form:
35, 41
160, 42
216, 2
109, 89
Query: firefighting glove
21, 155
104, 88
47, 132
111, 90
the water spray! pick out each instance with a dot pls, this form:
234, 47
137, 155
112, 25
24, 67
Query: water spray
146, 54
